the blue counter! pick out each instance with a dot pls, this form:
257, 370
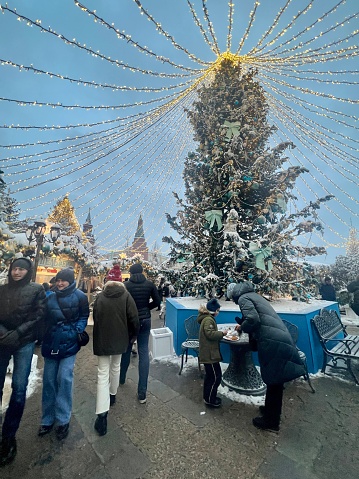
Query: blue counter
298, 313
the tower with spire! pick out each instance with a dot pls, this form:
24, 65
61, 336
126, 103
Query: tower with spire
87, 228
139, 245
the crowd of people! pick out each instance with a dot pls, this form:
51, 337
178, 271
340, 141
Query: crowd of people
55, 316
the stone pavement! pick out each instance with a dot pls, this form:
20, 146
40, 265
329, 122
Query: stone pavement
175, 436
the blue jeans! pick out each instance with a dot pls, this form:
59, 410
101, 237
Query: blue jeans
22, 366
57, 391
143, 357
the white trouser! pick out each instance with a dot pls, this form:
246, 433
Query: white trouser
108, 376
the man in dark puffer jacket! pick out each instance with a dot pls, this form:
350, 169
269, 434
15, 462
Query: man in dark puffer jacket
278, 356
142, 290
22, 311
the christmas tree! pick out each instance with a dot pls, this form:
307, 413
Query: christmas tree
234, 223
64, 215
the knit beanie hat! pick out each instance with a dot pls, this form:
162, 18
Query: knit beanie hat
66, 274
21, 263
213, 305
136, 268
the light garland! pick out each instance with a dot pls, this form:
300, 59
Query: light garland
119, 147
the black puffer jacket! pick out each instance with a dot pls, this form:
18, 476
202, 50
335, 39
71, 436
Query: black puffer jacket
115, 320
353, 287
142, 290
22, 313
278, 356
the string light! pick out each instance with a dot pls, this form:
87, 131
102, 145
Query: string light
120, 157
159, 28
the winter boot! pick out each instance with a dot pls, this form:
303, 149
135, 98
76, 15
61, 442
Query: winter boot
101, 424
8, 450
262, 423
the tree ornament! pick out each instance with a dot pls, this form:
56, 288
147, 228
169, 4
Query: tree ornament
214, 217
261, 220
232, 129
262, 256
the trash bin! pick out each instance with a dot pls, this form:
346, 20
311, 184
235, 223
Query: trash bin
161, 343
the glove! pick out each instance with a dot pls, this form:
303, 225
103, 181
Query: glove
238, 320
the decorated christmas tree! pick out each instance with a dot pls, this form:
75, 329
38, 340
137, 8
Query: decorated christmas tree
63, 214
234, 223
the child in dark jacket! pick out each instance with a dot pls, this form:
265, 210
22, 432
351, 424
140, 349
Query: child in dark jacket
209, 352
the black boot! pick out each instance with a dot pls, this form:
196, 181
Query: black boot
101, 424
8, 450
112, 399
264, 424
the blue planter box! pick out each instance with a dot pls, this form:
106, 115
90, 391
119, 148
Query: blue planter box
300, 314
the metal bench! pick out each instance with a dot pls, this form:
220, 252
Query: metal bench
328, 326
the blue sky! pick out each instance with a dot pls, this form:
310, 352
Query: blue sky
123, 168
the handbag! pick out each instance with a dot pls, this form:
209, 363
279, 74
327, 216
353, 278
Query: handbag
83, 338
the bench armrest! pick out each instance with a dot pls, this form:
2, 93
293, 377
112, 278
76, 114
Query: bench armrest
344, 341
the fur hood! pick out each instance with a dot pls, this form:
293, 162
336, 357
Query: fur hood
114, 289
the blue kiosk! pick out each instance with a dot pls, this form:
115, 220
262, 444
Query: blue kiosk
298, 313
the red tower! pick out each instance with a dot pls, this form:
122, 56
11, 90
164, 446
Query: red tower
139, 245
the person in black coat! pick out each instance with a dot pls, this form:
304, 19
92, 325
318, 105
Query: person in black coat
278, 356
146, 297
327, 290
22, 313
353, 287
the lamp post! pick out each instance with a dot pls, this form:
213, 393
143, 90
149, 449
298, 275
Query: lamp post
36, 232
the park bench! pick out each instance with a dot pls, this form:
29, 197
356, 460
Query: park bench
339, 350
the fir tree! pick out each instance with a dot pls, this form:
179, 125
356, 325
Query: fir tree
346, 267
64, 215
234, 222
11, 211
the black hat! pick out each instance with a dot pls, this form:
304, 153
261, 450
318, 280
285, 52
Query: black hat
136, 268
53, 280
67, 274
213, 305
22, 263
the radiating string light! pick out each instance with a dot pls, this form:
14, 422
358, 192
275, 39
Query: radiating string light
326, 137
210, 27
159, 28
201, 29
94, 84
230, 25
93, 53
249, 26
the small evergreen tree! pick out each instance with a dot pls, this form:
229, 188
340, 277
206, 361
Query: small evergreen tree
11, 211
234, 222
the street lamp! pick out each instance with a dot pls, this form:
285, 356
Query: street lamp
36, 232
